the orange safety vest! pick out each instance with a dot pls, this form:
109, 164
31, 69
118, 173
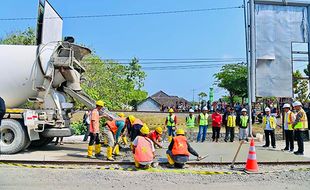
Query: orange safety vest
143, 151
94, 121
180, 146
112, 126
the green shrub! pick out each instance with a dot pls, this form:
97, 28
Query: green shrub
79, 128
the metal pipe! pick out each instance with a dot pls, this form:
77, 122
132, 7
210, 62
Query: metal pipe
251, 64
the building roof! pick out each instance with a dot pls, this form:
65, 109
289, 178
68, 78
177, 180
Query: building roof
163, 98
160, 94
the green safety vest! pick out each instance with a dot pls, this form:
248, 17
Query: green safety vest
203, 119
170, 121
190, 121
244, 121
303, 123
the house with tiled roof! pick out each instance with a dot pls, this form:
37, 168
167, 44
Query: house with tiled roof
161, 101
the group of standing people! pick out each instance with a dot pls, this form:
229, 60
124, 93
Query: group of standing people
294, 126
216, 121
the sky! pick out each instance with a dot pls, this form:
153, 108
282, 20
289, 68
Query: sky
209, 34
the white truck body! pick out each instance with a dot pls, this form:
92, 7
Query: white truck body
48, 75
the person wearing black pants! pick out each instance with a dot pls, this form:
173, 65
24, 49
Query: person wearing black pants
273, 139
216, 125
300, 125
2, 109
289, 140
288, 128
86, 122
269, 123
216, 133
94, 139
300, 142
224, 121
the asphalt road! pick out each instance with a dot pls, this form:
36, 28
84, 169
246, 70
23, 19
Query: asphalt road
65, 179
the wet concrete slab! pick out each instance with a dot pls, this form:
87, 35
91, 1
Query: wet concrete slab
217, 153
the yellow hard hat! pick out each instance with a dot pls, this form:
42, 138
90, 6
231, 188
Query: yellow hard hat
159, 130
180, 132
131, 119
121, 114
171, 110
100, 103
145, 129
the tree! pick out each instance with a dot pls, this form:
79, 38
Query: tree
233, 78
118, 85
300, 86
202, 95
26, 37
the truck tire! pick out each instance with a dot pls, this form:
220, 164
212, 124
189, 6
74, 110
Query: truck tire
13, 137
42, 142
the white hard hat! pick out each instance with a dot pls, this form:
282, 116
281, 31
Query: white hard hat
286, 106
243, 110
205, 109
191, 111
297, 103
267, 109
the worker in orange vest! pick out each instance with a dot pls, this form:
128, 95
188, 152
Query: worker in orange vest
179, 150
94, 131
119, 135
143, 149
109, 131
124, 131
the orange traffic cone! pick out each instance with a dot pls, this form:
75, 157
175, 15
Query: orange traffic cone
251, 164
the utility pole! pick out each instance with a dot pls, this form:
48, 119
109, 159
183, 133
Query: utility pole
250, 54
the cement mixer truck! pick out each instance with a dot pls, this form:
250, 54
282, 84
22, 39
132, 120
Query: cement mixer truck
47, 75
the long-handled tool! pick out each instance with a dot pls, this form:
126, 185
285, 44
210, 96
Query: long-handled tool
202, 158
232, 166
199, 159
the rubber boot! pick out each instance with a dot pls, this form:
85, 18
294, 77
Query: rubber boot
137, 164
109, 154
125, 140
98, 150
170, 161
116, 150
90, 152
169, 138
131, 146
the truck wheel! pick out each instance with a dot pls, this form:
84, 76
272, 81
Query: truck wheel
13, 137
42, 142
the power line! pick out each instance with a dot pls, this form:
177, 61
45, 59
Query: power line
182, 62
127, 14
159, 61
183, 67
178, 59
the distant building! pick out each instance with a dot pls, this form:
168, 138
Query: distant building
161, 101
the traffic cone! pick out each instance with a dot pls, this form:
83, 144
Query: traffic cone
251, 164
